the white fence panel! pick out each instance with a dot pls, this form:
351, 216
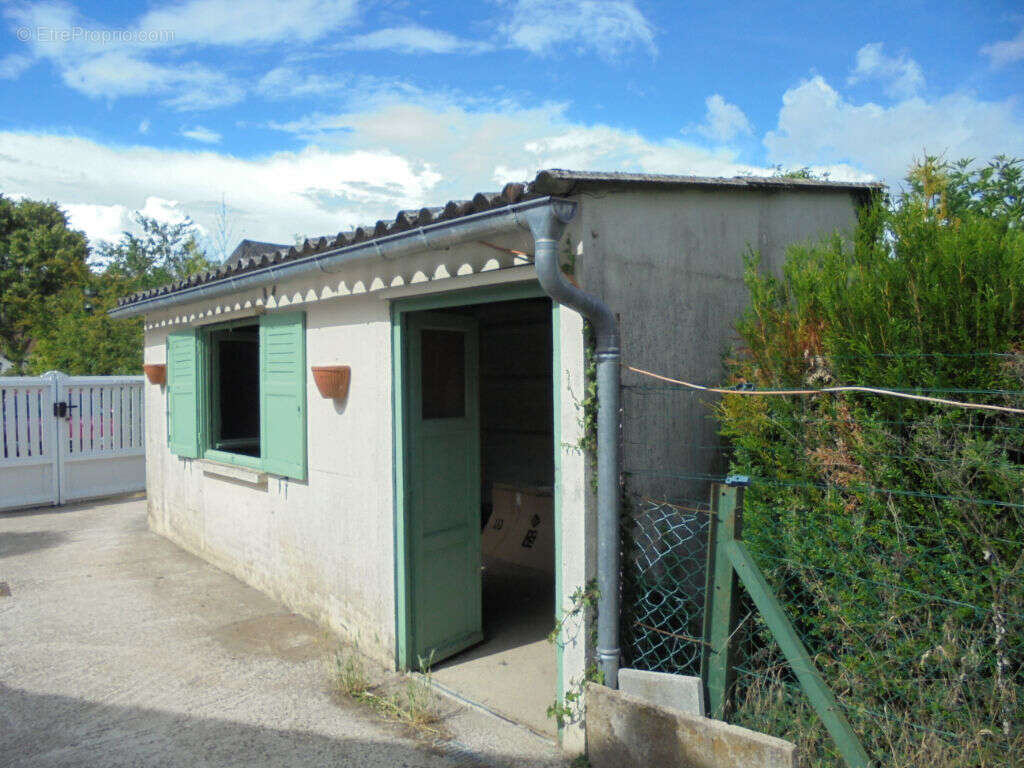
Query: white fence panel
28, 449
102, 446
66, 438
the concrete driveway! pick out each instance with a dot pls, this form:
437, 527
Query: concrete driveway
119, 649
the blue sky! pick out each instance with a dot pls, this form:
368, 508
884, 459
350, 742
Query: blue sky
310, 116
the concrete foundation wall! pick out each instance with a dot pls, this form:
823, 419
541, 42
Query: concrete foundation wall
624, 731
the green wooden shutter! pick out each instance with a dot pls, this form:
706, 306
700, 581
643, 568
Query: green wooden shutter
283, 393
183, 392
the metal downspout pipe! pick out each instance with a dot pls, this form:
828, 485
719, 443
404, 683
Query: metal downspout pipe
547, 225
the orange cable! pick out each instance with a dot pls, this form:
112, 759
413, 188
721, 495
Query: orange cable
828, 390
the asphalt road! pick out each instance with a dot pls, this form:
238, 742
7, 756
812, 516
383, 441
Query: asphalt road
119, 649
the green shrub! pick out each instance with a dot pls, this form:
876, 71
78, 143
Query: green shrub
891, 528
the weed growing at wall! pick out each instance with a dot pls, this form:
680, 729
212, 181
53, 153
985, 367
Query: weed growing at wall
409, 701
571, 708
577, 622
588, 406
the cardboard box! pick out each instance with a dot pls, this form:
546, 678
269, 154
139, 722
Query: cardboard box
521, 529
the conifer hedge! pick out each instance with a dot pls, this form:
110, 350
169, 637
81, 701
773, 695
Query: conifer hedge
892, 529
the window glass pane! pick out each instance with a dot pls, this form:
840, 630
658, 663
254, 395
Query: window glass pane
236, 392
443, 355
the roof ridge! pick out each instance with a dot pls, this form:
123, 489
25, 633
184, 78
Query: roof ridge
548, 182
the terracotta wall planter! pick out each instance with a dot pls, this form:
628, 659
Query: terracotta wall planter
156, 373
332, 380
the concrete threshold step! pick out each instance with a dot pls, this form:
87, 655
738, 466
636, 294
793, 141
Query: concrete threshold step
482, 708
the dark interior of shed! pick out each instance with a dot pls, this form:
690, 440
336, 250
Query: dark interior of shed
235, 394
513, 669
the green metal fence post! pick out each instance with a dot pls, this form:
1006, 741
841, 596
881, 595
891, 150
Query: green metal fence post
721, 609
818, 693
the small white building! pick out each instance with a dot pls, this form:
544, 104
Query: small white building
364, 511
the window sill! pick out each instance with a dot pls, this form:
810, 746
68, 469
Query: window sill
255, 477
234, 459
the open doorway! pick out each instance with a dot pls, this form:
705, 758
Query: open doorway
508, 666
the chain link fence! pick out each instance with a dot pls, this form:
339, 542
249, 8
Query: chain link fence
663, 584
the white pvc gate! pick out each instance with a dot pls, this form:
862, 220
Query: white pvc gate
64, 438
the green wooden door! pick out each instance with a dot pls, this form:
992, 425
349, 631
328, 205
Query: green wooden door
443, 430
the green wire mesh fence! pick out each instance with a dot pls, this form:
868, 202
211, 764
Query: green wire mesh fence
891, 534
663, 584
917, 630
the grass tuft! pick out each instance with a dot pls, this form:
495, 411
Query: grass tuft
410, 702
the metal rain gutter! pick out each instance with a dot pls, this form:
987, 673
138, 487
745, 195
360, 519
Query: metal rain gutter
547, 225
438, 236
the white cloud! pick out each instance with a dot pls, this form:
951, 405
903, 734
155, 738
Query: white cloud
99, 222
115, 68
404, 149
205, 90
144, 126
53, 15
605, 27
121, 73
109, 222
12, 65
484, 147
1003, 52
315, 190
415, 39
289, 82
223, 22
400, 151
199, 133
901, 76
166, 211
817, 125
723, 121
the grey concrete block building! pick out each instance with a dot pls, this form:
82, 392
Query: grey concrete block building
374, 509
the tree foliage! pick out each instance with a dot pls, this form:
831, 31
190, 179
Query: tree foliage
891, 528
804, 172
159, 255
77, 335
953, 190
40, 257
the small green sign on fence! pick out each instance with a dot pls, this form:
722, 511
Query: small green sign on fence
729, 565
